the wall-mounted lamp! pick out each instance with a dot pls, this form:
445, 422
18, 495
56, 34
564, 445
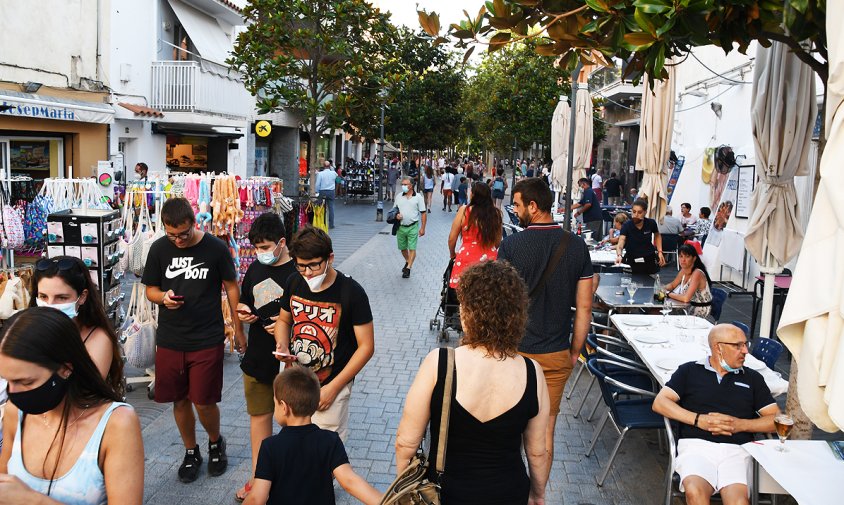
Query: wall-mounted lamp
716, 108
30, 87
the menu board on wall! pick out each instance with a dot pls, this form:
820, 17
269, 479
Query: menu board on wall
746, 184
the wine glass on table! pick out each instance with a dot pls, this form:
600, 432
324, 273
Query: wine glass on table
784, 424
631, 290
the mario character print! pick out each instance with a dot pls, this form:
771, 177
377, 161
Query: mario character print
315, 329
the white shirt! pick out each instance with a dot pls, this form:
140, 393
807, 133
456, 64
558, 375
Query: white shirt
596, 181
447, 179
326, 179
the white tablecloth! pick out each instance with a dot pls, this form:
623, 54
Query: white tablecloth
664, 347
603, 257
808, 471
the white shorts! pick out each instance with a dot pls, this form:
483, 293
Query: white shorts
720, 465
336, 417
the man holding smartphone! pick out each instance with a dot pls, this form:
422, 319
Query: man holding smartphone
184, 272
263, 286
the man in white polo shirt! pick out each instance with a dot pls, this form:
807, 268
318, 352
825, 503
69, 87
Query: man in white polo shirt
326, 180
412, 209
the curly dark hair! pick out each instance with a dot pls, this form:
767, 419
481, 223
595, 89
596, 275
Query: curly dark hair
493, 307
484, 216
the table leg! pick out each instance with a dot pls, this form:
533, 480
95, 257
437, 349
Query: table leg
754, 492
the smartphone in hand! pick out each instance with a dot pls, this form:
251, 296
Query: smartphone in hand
177, 298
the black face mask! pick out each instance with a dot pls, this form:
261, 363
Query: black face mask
41, 399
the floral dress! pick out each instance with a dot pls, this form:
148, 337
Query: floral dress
470, 252
699, 297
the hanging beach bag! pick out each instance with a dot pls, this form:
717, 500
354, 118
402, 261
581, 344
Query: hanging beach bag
142, 234
139, 336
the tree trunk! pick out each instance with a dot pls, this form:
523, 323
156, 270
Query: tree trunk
802, 425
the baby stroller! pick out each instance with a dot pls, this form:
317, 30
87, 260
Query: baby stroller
448, 310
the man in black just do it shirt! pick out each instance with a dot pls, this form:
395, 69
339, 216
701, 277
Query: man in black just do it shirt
184, 272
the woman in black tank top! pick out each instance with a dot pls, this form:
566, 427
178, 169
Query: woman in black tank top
505, 400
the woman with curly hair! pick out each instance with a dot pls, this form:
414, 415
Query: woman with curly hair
479, 227
499, 399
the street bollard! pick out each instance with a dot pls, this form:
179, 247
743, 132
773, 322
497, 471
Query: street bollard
379, 212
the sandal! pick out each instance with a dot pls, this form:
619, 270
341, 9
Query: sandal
243, 492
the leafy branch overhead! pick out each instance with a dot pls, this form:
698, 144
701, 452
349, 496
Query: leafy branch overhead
646, 33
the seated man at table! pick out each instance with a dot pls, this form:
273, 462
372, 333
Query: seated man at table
719, 405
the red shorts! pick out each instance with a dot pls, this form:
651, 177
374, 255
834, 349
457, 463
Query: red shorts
195, 375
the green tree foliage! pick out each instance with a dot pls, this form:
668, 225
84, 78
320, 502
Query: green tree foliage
645, 32
315, 57
513, 95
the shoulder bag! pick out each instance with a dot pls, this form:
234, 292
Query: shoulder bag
552, 263
412, 486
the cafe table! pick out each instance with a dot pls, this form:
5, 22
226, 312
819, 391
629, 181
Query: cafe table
615, 296
664, 345
603, 257
808, 471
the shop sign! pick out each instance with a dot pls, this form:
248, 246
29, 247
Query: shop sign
59, 112
263, 128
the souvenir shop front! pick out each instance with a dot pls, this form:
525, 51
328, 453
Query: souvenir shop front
42, 136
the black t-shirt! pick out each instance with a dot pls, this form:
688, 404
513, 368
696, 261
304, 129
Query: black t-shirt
262, 289
594, 212
323, 333
740, 395
549, 312
197, 273
613, 187
639, 243
300, 462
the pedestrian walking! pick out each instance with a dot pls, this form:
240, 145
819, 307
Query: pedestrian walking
445, 187
463, 191
598, 185
325, 324
555, 265
412, 210
455, 185
478, 226
499, 187
613, 186
298, 465
82, 445
184, 272
392, 177
428, 183
325, 181
260, 301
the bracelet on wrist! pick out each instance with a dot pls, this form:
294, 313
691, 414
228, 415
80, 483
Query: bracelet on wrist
697, 418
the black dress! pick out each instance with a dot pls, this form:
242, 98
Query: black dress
483, 463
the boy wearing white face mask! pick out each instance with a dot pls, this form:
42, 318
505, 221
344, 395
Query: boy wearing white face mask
260, 300
325, 324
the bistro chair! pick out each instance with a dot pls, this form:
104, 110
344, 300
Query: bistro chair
766, 350
743, 327
514, 218
613, 349
670, 243
625, 415
719, 296
586, 352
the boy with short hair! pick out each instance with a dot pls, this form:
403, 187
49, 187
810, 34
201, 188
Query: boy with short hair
261, 291
296, 466
463, 192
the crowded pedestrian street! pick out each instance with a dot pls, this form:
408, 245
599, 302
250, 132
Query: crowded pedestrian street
402, 311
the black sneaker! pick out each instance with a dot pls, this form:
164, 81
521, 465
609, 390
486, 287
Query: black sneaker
405, 273
217, 459
189, 470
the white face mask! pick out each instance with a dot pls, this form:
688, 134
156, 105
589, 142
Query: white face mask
314, 283
69, 309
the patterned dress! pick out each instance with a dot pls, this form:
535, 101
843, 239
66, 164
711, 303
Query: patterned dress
699, 296
470, 252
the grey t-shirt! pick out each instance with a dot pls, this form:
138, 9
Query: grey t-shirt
411, 209
549, 312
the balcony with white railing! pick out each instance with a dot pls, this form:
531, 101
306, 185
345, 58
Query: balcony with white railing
608, 82
185, 86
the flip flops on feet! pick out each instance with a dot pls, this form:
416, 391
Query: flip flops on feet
243, 492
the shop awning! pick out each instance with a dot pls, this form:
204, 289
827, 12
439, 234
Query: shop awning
204, 31
28, 105
194, 130
141, 110
629, 122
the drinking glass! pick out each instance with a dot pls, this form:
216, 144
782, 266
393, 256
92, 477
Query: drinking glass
631, 290
665, 311
784, 423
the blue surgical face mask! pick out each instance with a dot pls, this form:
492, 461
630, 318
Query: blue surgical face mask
725, 365
268, 258
69, 309
405, 189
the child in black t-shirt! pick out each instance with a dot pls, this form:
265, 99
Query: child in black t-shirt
463, 192
263, 286
296, 466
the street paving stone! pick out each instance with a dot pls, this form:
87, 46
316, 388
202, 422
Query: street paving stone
402, 309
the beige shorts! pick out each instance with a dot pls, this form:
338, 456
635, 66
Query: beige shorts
556, 366
720, 465
336, 417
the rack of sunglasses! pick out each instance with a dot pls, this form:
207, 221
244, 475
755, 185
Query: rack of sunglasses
92, 236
